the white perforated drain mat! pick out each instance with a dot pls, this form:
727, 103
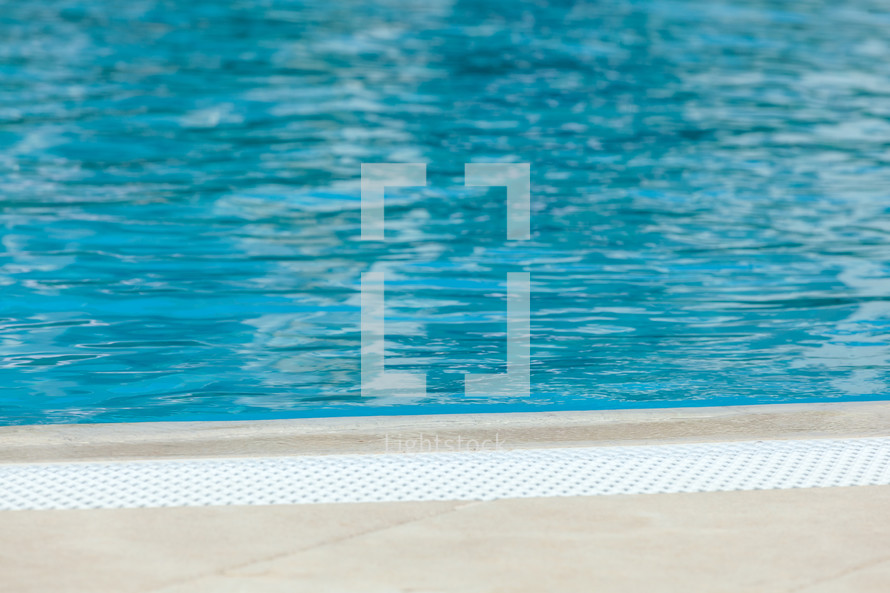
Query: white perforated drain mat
448, 476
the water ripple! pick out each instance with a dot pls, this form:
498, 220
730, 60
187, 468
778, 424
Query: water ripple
179, 203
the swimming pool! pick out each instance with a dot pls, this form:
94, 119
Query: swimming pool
180, 214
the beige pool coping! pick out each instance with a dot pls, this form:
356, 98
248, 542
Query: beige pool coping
375, 434
802, 540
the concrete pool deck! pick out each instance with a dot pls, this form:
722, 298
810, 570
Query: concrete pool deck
810, 540
815, 540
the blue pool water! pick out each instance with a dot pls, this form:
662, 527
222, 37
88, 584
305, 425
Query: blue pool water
179, 199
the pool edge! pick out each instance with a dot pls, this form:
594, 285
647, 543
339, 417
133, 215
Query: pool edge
382, 434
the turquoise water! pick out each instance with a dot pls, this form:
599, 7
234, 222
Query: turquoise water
179, 192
